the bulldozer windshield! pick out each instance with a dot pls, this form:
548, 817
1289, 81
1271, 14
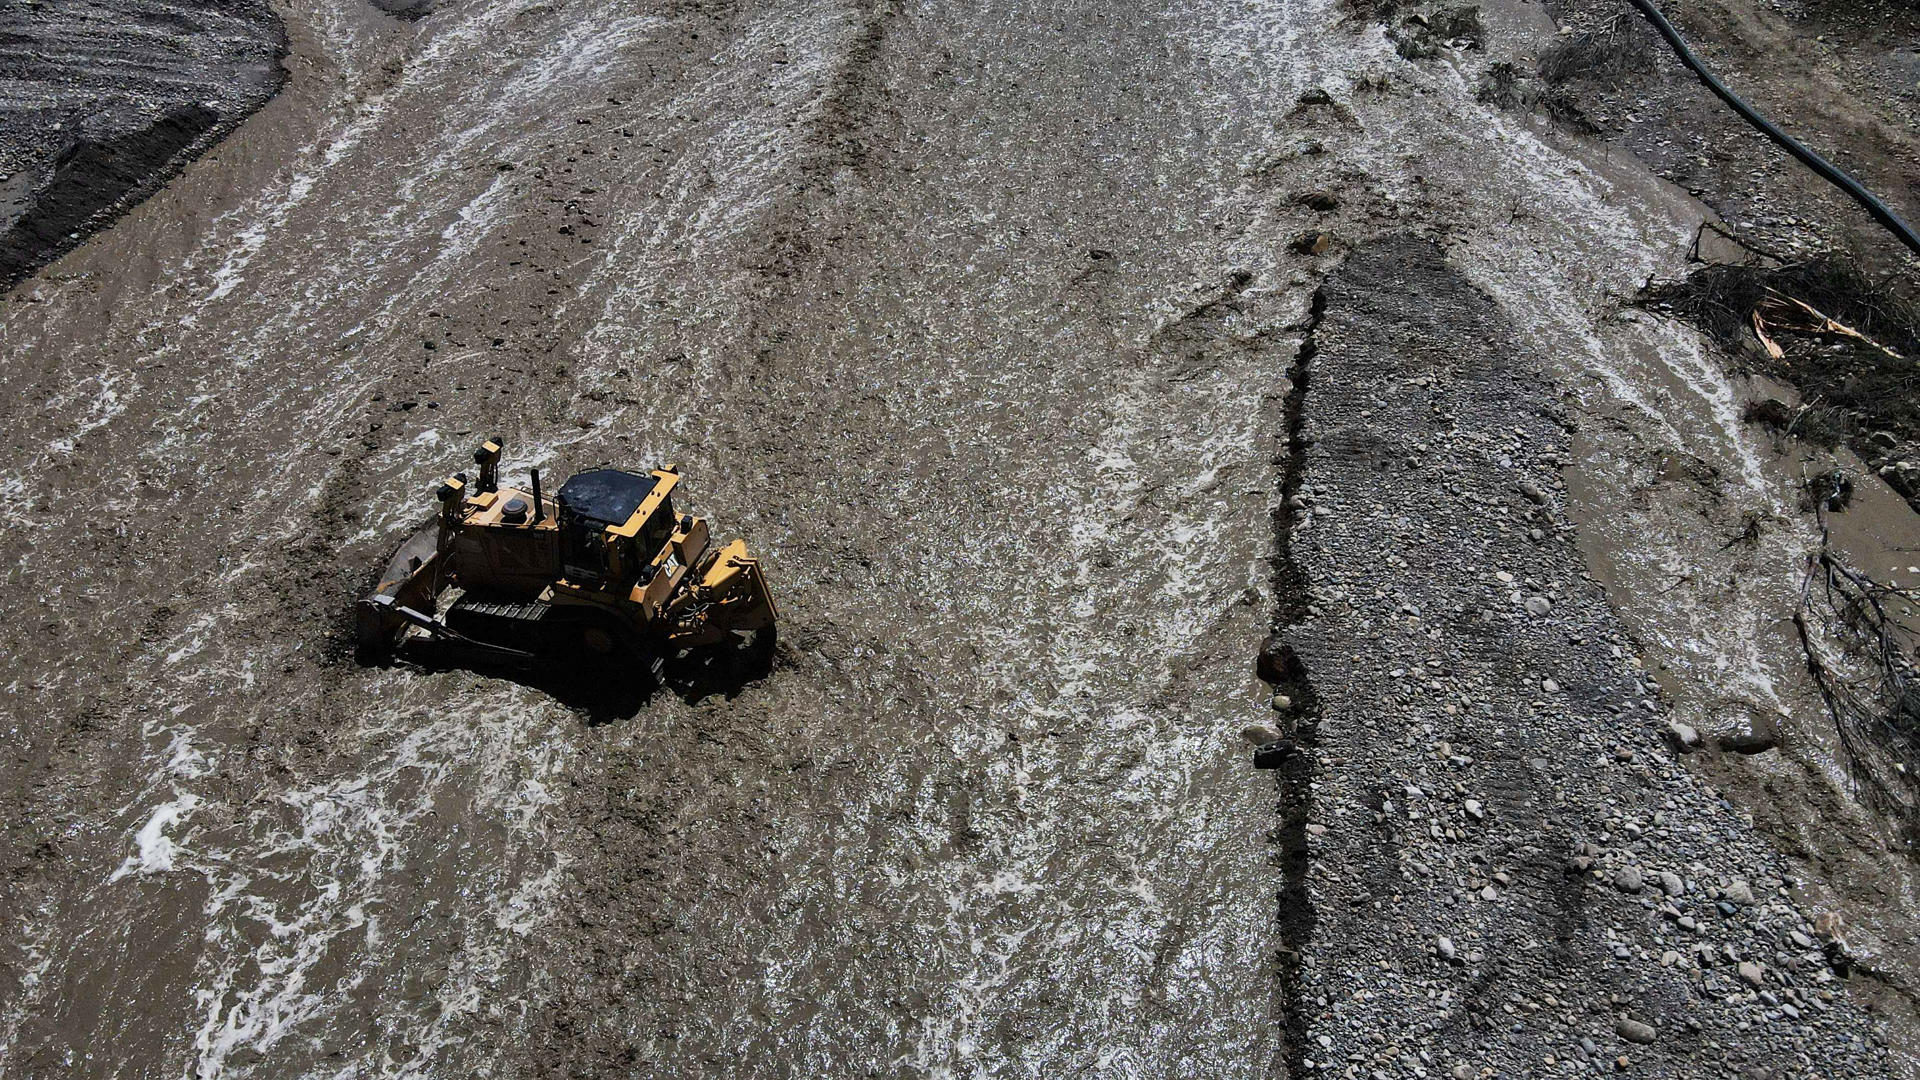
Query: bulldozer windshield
596, 509
658, 529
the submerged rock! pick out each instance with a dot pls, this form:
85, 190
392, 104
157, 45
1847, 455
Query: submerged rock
1259, 735
405, 9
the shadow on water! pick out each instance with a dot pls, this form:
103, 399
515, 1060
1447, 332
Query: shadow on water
601, 690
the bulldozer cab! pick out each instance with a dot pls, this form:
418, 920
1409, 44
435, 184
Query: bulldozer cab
612, 523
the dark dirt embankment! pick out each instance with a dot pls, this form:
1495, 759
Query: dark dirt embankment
1298, 707
1843, 78
1508, 865
101, 102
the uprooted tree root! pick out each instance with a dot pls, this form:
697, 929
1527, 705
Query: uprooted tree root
1848, 343
1822, 425
1721, 299
1848, 620
1606, 54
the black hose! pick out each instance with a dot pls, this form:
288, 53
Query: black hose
1881, 212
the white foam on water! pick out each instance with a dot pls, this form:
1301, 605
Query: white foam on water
296, 886
317, 869
100, 395
265, 221
583, 53
476, 219
453, 38
197, 632
154, 850
726, 186
1156, 496
484, 121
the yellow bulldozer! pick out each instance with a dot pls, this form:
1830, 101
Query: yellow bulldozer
605, 569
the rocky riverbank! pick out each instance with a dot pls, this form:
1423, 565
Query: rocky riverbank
1508, 867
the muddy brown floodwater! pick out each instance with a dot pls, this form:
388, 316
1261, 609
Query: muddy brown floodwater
954, 338
975, 321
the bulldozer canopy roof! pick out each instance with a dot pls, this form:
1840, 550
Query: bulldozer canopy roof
608, 496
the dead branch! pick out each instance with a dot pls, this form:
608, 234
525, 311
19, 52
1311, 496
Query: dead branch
1875, 709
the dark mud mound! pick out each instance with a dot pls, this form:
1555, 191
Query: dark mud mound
405, 9
94, 175
101, 101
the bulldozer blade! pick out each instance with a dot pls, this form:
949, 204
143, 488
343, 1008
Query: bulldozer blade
411, 579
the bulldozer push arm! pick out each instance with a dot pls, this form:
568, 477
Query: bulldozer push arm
731, 596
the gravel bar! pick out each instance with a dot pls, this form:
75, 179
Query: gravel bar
1509, 872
